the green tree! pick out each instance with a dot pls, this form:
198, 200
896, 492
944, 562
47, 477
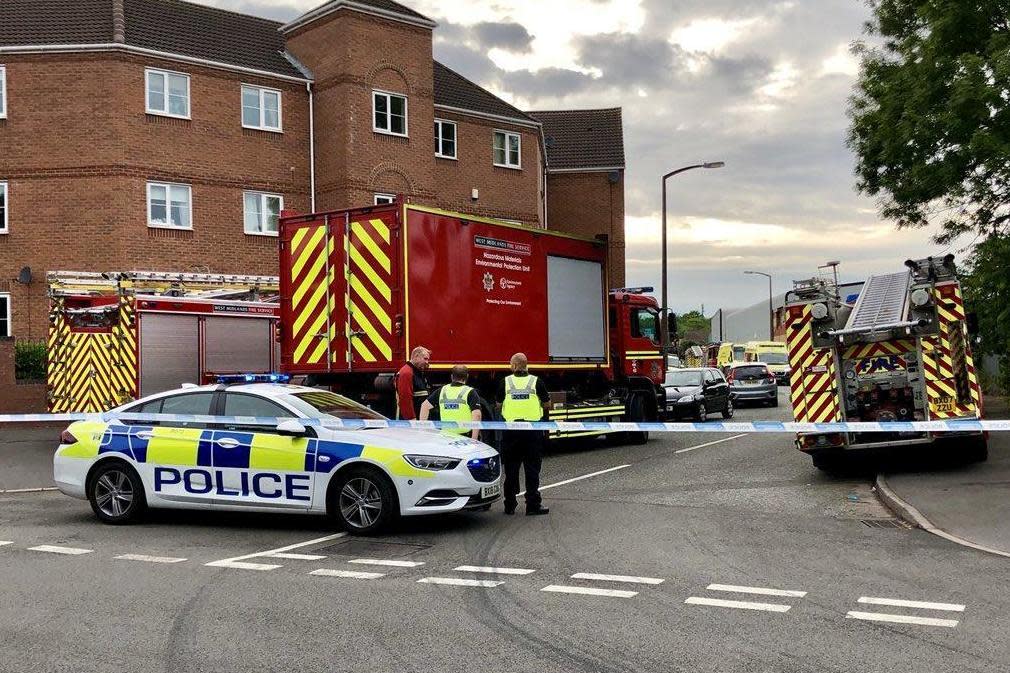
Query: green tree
693, 327
987, 291
930, 117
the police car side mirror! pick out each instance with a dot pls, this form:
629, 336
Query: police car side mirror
292, 428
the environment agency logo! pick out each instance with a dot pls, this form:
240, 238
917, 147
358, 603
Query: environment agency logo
488, 281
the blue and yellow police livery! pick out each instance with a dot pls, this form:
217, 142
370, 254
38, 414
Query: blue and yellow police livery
364, 478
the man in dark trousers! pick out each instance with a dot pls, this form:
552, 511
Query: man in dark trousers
522, 397
412, 384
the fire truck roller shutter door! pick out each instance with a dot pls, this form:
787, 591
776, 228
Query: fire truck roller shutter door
168, 344
237, 345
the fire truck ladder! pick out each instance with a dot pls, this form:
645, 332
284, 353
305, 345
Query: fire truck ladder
194, 285
882, 305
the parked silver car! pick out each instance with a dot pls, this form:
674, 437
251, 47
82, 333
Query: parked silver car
753, 382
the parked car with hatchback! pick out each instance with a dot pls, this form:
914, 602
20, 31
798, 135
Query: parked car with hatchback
753, 382
696, 393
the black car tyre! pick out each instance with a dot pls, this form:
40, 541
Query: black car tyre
701, 413
363, 500
636, 414
116, 493
775, 400
728, 411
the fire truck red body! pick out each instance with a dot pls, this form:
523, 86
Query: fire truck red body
361, 288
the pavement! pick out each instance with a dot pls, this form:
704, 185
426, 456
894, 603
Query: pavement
966, 503
714, 553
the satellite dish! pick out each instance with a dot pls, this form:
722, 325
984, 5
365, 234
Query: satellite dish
25, 275
614, 177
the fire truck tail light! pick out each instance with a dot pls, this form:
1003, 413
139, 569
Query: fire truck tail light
398, 326
819, 311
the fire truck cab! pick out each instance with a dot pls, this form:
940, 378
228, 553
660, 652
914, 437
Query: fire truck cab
901, 352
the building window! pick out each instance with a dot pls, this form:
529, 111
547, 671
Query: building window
507, 149
262, 212
3, 92
261, 108
169, 206
3, 207
5, 315
167, 93
445, 139
382, 199
390, 113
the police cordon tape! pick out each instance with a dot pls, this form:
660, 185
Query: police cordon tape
962, 425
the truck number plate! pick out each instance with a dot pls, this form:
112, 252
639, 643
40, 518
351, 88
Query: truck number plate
945, 404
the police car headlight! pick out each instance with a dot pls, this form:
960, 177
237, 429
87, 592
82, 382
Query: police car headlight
432, 462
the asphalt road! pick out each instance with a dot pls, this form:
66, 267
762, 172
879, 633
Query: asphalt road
705, 553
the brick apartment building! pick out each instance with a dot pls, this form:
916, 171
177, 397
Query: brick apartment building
164, 135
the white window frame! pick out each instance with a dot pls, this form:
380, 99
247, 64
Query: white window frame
165, 113
263, 196
5, 220
378, 195
10, 311
3, 91
519, 137
262, 125
455, 139
168, 206
389, 113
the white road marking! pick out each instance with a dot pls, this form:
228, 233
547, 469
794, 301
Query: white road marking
387, 562
901, 619
459, 582
617, 578
585, 476
53, 549
923, 605
5, 542
494, 571
589, 591
756, 590
150, 559
702, 446
39, 489
739, 605
296, 557
237, 561
350, 574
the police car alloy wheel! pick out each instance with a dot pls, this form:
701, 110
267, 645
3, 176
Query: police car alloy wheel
116, 493
363, 500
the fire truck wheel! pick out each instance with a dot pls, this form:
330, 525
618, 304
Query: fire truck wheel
826, 462
636, 414
362, 500
116, 493
978, 450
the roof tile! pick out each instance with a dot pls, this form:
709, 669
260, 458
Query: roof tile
583, 138
454, 90
34, 22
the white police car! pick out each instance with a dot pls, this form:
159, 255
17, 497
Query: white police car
364, 478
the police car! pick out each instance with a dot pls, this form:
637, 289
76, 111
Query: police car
364, 478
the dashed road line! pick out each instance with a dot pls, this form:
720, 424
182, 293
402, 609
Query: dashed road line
739, 605
574, 479
39, 489
901, 619
756, 590
589, 591
5, 542
53, 549
387, 562
349, 574
296, 557
239, 562
617, 578
150, 559
922, 605
495, 571
460, 582
702, 446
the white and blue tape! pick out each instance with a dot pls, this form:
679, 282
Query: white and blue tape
960, 425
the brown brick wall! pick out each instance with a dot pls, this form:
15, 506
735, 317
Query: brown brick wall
17, 397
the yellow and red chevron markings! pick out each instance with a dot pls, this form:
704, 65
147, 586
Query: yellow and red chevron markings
311, 273
897, 347
812, 381
952, 387
369, 290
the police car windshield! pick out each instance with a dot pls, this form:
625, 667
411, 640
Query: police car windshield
324, 404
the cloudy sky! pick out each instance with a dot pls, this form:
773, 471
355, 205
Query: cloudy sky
760, 84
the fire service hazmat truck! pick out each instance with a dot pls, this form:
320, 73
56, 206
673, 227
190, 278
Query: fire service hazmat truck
900, 352
361, 288
114, 337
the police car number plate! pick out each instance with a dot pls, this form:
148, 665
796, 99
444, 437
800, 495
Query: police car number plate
491, 491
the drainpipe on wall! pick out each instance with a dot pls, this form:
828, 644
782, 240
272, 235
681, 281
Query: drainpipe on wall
312, 151
543, 151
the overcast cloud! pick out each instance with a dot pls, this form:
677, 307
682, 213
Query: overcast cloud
759, 84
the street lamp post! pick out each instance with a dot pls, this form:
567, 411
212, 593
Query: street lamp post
771, 311
666, 306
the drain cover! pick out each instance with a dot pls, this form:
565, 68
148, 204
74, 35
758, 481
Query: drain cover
372, 549
883, 523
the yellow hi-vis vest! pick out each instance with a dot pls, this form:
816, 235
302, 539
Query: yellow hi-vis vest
454, 407
521, 403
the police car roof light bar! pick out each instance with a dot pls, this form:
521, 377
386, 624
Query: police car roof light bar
253, 378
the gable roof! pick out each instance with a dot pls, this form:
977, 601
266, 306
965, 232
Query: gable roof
455, 91
385, 8
583, 139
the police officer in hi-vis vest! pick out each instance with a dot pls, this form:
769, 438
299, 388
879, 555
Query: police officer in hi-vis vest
522, 397
455, 402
